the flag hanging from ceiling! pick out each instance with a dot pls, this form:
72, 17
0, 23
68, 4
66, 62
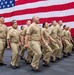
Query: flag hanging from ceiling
46, 10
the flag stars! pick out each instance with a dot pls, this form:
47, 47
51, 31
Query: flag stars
1, 3
10, 1
8, 5
12, 4
3, 6
6, 2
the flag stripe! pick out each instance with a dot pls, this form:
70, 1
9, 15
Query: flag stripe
72, 32
46, 10
42, 15
65, 19
52, 2
26, 1
35, 5
41, 9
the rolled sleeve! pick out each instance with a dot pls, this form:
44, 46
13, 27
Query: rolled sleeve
9, 35
29, 30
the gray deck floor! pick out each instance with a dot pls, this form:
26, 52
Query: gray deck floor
63, 67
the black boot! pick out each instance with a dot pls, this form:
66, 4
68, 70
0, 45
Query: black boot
45, 64
2, 64
69, 54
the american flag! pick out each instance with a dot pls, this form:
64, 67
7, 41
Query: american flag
47, 10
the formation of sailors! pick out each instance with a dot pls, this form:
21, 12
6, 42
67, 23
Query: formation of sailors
49, 43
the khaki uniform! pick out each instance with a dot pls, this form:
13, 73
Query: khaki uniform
29, 51
59, 34
14, 37
67, 45
21, 53
34, 43
9, 28
46, 49
3, 35
69, 33
54, 46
